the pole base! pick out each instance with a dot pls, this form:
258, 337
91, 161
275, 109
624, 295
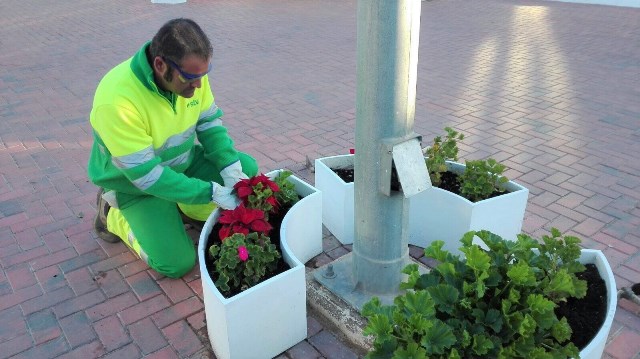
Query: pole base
338, 278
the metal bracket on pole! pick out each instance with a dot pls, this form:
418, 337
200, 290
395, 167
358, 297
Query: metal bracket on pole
405, 156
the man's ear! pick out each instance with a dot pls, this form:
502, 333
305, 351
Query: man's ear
159, 66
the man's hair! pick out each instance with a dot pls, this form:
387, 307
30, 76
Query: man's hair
178, 38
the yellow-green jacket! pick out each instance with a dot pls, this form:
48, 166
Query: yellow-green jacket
144, 137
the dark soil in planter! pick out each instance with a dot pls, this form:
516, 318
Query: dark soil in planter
347, 175
276, 222
449, 181
586, 315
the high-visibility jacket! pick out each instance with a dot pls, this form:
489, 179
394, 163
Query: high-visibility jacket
144, 137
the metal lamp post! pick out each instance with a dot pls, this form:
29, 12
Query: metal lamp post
386, 147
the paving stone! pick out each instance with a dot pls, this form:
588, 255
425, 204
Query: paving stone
327, 344
147, 336
182, 338
43, 326
112, 333
625, 345
303, 350
78, 329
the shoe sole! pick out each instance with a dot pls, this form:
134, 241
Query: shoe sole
101, 227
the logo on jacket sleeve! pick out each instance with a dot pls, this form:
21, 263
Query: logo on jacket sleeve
193, 102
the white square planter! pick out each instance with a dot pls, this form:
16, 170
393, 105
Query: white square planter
337, 197
435, 214
267, 319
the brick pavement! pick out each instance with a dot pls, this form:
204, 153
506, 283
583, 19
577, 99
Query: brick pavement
551, 89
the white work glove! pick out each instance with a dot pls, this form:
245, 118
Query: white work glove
232, 174
223, 197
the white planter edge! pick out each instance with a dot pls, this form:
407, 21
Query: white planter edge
270, 317
595, 348
338, 197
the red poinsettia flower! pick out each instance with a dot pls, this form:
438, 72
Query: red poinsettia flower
243, 189
258, 192
224, 232
242, 220
272, 201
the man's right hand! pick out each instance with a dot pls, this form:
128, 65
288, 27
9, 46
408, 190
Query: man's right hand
223, 197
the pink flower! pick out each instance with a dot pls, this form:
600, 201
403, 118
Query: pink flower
242, 253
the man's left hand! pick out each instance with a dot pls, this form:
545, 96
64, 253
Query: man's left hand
232, 174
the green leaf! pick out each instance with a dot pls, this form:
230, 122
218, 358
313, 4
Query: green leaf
374, 306
412, 276
507, 352
412, 351
540, 353
453, 354
221, 283
378, 325
521, 274
580, 288
523, 346
419, 302
570, 351
527, 326
438, 338
542, 310
410, 269
481, 344
493, 320
427, 280
445, 297
477, 259
467, 238
213, 251
383, 347
514, 295
446, 270
561, 330
435, 251
561, 284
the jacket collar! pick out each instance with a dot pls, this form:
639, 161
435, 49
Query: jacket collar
142, 70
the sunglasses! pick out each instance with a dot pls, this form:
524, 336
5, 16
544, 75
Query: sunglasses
185, 77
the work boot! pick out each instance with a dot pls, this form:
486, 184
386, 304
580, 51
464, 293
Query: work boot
100, 224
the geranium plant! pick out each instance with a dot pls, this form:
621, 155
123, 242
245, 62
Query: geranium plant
440, 152
245, 254
495, 303
242, 261
481, 178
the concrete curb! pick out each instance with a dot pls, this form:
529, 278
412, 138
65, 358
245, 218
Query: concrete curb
335, 313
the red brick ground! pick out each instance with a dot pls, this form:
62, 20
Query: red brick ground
551, 89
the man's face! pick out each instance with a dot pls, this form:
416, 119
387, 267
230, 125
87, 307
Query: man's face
185, 77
